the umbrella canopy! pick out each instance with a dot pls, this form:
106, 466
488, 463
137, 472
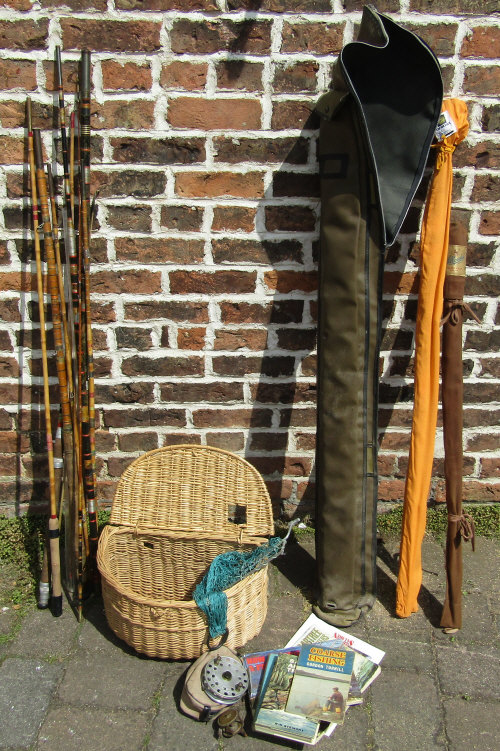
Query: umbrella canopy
433, 261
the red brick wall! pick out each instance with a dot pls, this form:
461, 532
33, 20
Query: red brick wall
204, 255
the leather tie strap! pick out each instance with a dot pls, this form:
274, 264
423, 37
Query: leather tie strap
466, 527
452, 313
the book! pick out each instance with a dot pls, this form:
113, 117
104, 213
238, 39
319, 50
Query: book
275, 694
255, 662
276, 721
367, 657
321, 683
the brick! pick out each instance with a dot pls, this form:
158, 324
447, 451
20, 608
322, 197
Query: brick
239, 75
391, 490
296, 185
232, 250
295, 77
280, 311
297, 114
240, 365
126, 76
105, 35
124, 393
17, 186
181, 218
123, 282
23, 34
482, 284
136, 183
298, 416
18, 5
273, 393
490, 467
144, 250
205, 393
483, 41
261, 150
232, 418
78, 5
137, 114
491, 118
131, 418
162, 366
133, 337
192, 338
483, 341
481, 492
18, 281
216, 283
480, 392
214, 114
232, 218
205, 37
439, 36
130, 218
396, 283
138, 441
490, 367
482, 80
230, 441
384, 6
299, 6
296, 339
284, 218
184, 75
454, 7
313, 37
69, 75
486, 188
212, 184
235, 339
179, 311
158, 150
11, 150
288, 281
163, 5
9, 367
490, 223
103, 312
483, 442
18, 74
268, 441
485, 155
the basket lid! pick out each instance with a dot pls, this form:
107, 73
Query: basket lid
195, 488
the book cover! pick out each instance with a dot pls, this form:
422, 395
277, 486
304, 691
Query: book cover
275, 694
255, 662
366, 662
321, 683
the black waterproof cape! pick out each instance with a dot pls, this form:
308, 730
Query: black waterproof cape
377, 126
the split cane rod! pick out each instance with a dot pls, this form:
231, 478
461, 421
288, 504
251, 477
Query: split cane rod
55, 561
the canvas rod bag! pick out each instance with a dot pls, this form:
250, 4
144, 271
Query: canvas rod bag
377, 126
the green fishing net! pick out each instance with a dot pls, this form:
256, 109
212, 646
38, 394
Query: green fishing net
225, 571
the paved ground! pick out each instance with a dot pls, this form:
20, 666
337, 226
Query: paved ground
66, 686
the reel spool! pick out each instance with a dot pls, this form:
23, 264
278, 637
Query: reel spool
225, 679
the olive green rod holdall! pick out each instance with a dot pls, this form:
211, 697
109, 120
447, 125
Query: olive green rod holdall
377, 126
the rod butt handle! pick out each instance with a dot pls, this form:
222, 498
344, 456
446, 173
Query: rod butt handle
56, 606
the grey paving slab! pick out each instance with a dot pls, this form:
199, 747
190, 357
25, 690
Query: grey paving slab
471, 674
46, 637
412, 656
472, 725
114, 680
26, 687
171, 729
93, 729
406, 712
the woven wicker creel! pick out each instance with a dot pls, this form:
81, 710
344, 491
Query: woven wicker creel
174, 510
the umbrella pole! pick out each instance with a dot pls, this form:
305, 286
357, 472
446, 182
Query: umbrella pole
460, 525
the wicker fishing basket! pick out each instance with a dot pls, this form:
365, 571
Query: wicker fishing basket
174, 510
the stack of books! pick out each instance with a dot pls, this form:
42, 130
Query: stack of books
302, 692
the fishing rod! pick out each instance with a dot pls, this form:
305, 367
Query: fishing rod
55, 560
88, 406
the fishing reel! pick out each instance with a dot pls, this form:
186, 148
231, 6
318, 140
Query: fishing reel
214, 689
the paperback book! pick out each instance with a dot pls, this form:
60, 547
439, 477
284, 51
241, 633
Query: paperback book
321, 683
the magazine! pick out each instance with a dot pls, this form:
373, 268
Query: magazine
321, 682
366, 662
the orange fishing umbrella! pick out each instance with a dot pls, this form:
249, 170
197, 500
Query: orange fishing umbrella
433, 261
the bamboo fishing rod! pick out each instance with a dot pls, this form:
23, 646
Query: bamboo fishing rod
55, 560
88, 424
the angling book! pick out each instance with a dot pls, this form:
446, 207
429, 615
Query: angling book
272, 682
